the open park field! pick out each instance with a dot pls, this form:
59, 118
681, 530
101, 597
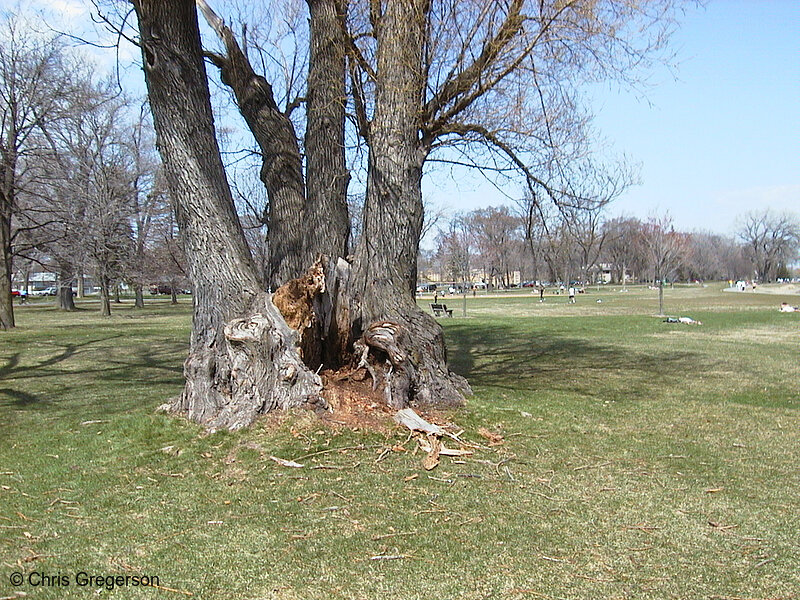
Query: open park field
628, 458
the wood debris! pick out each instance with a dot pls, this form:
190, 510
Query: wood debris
494, 439
287, 463
414, 422
428, 436
431, 461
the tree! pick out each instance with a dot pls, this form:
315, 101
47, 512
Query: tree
417, 87
242, 358
497, 235
665, 250
772, 241
621, 248
35, 83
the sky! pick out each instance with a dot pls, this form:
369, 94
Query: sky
715, 137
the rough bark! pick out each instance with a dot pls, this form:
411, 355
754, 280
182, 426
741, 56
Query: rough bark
243, 358
7, 176
327, 176
386, 261
138, 292
282, 166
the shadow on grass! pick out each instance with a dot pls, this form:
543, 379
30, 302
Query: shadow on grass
72, 373
20, 399
517, 358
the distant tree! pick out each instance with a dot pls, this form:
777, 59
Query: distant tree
455, 247
771, 240
715, 257
36, 84
498, 235
621, 248
585, 230
665, 250
149, 199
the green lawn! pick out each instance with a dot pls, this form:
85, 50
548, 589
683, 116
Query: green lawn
641, 460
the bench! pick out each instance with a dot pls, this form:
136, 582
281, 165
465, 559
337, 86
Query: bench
441, 309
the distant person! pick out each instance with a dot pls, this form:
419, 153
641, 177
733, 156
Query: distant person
541, 293
435, 296
786, 307
571, 295
23, 296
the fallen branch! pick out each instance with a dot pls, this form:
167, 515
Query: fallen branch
389, 535
414, 422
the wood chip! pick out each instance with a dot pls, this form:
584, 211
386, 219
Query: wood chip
431, 460
286, 463
494, 439
414, 422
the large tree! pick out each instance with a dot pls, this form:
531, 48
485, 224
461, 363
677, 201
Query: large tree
421, 82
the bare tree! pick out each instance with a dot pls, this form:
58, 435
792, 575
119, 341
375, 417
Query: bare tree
420, 82
665, 250
772, 240
497, 235
35, 83
622, 249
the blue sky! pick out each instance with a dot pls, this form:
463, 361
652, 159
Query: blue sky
716, 137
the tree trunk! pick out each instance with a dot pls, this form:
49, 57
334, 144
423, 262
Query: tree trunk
243, 358
138, 291
117, 299
386, 260
6, 268
81, 289
65, 300
105, 296
327, 176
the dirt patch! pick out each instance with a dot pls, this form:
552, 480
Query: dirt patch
354, 404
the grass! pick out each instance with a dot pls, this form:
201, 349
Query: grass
641, 460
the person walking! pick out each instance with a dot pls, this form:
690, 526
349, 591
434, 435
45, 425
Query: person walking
572, 294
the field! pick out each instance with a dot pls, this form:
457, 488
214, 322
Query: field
632, 459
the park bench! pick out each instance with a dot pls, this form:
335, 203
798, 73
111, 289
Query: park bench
441, 309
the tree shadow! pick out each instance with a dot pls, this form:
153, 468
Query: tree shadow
19, 398
505, 356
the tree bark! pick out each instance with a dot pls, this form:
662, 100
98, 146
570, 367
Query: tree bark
386, 260
327, 176
6, 300
65, 300
243, 358
105, 296
7, 182
138, 291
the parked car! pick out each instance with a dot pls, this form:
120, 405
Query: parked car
15, 293
48, 291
